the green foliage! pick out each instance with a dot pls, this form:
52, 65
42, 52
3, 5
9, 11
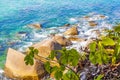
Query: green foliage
106, 41
99, 77
47, 67
116, 54
93, 47
29, 58
67, 60
99, 53
70, 76
70, 57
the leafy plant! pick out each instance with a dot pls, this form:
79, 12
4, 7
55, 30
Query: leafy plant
98, 54
67, 60
29, 58
107, 49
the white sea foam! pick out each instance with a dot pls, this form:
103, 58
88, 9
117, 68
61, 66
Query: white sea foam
85, 31
73, 20
1, 70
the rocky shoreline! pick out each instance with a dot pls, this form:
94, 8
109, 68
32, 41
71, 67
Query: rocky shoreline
77, 36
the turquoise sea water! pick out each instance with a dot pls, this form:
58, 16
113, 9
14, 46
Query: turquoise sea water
15, 14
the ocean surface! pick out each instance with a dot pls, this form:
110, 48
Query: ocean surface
15, 15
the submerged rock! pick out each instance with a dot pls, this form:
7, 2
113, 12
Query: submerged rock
36, 25
16, 68
62, 40
92, 23
102, 16
86, 17
21, 34
66, 25
72, 31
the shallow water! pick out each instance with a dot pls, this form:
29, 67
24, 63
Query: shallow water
16, 14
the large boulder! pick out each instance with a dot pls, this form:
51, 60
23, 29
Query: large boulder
46, 46
16, 68
62, 40
71, 31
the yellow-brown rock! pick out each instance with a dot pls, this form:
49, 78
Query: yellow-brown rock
72, 31
66, 25
45, 47
62, 40
102, 16
92, 23
16, 68
75, 38
35, 25
86, 17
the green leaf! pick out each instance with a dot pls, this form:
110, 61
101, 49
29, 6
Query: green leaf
70, 75
113, 60
92, 57
108, 42
55, 68
99, 58
29, 60
99, 77
47, 67
36, 51
92, 47
52, 55
62, 67
31, 48
75, 61
58, 75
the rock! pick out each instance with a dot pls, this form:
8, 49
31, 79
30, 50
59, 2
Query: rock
86, 17
102, 16
75, 38
21, 34
66, 25
36, 25
72, 31
45, 47
16, 68
92, 23
62, 40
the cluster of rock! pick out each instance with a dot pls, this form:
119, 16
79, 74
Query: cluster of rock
15, 66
